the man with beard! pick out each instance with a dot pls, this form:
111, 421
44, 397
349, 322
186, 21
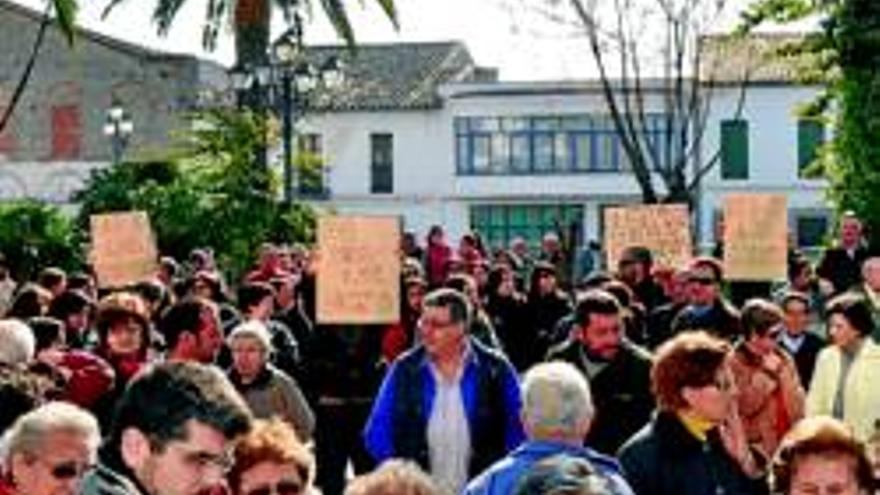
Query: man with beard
618, 371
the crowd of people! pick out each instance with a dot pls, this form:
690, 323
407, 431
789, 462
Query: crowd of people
507, 373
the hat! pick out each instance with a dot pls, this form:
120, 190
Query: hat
636, 254
251, 329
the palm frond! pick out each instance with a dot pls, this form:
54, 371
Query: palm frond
66, 11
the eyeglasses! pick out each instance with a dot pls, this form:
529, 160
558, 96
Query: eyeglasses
280, 488
702, 280
68, 470
203, 460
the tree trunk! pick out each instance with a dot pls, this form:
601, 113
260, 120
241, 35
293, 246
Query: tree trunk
28, 70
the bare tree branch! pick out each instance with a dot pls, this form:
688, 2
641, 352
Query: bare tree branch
28, 69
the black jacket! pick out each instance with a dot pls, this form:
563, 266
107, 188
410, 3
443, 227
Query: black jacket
621, 393
665, 459
840, 269
722, 320
805, 357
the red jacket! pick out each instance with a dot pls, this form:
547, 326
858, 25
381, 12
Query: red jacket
90, 377
6, 488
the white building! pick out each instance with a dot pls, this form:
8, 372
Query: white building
421, 132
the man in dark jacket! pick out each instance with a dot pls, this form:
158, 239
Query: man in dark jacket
451, 404
172, 433
634, 269
842, 265
802, 345
707, 309
618, 371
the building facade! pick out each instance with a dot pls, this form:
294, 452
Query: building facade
525, 158
56, 133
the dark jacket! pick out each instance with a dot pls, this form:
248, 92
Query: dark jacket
665, 459
509, 317
621, 393
658, 324
805, 357
650, 294
398, 424
544, 313
721, 320
840, 269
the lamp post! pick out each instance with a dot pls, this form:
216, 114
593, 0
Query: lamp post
298, 78
285, 84
118, 126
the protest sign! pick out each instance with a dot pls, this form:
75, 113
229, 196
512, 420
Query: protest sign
755, 237
664, 229
358, 269
123, 248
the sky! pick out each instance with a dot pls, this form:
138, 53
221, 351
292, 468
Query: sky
521, 43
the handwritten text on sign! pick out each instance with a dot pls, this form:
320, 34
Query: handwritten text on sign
123, 248
664, 229
755, 236
359, 270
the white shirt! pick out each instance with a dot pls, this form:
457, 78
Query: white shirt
449, 438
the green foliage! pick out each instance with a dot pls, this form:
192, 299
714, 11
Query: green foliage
212, 195
35, 235
849, 47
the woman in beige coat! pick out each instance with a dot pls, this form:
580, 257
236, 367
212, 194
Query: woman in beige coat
769, 392
846, 383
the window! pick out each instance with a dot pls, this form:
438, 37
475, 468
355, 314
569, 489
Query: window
66, 132
382, 163
734, 149
577, 143
811, 230
498, 224
811, 136
310, 165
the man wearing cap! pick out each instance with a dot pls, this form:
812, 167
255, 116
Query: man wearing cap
706, 308
451, 404
266, 389
557, 414
634, 269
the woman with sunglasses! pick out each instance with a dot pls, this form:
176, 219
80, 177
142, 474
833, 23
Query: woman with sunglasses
271, 460
47, 451
770, 398
694, 445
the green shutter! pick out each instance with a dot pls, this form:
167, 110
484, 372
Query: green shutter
734, 149
811, 136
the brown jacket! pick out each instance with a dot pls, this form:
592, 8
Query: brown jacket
770, 402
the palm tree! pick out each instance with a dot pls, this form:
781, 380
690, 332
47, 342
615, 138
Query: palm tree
251, 20
65, 11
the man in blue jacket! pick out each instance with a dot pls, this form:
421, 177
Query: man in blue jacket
451, 404
557, 412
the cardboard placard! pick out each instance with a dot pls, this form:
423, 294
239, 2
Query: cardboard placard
123, 248
664, 229
358, 269
755, 237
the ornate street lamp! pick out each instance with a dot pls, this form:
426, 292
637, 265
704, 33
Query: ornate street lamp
118, 127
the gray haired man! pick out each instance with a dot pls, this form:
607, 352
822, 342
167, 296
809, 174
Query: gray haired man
557, 412
48, 450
